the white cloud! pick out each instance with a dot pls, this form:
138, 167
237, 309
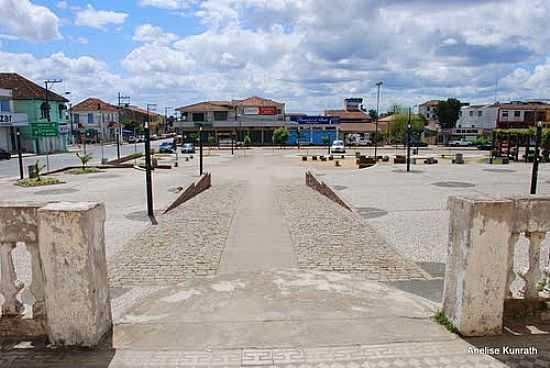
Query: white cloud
168, 4
99, 18
24, 19
153, 34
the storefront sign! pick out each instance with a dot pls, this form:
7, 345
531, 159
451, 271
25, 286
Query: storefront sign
330, 120
250, 111
8, 119
45, 129
269, 110
63, 129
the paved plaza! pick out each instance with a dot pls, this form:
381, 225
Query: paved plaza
260, 270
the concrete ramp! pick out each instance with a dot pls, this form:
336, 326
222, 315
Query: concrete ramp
279, 308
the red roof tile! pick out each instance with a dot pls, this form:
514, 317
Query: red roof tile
24, 89
93, 104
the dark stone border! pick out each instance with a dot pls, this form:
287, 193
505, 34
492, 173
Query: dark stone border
316, 184
202, 184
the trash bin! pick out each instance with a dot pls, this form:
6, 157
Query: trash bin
459, 159
33, 172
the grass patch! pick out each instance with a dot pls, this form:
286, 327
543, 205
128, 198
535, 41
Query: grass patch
443, 320
29, 183
83, 170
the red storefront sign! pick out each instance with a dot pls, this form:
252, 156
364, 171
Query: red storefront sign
271, 110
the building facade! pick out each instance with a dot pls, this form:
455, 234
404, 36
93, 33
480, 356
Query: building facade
48, 128
9, 122
254, 117
522, 115
428, 109
473, 121
97, 119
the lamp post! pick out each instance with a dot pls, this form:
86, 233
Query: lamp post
48, 117
535, 173
166, 119
19, 153
200, 150
148, 168
232, 142
409, 142
379, 84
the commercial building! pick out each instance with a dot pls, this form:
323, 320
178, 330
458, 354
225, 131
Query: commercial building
522, 115
9, 121
48, 128
97, 119
133, 119
255, 117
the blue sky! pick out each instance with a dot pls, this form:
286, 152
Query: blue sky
308, 53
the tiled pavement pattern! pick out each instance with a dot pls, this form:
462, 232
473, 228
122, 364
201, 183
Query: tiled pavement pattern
187, 242
448, 354
329, 237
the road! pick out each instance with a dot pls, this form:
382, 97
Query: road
10, 168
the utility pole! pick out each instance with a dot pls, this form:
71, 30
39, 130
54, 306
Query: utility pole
409, 142
48, 117
379, 84
166, 119
121, 98
535, 173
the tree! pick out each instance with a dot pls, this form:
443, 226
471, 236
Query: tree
325, 140
84, 159
448, 112
247, 141
373, 114
280, 136
397, 130
545, 144
211, 142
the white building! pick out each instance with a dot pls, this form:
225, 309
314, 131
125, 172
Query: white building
97, 118
475, 120
9, 121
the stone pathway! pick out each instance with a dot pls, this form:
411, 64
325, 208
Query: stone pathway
328, 237
187, 242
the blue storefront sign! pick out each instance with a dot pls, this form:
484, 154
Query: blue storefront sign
321, 120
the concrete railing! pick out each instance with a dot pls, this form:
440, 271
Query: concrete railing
483, 235
69, 285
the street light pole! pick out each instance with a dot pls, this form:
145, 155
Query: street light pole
409, 142
379, 84
200, 150
535, 173
148, 178
19, 153
166, 119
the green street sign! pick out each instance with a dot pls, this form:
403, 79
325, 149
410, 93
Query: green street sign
47, 129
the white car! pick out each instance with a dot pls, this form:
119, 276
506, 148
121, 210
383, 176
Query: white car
337, 147
459, 143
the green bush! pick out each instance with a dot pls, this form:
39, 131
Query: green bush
280, 135
83, 170
29, 183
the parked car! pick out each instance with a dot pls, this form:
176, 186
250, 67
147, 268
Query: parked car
459, 143
4, 155
337, 147
166, 147
187, 148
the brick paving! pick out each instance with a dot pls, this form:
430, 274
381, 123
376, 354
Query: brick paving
187, 242
328, 237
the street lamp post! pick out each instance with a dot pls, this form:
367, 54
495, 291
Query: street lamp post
379, 84
148, 178
535, 173
19, 153
232, 142
166, 119
200, 150
48, 117
409, 142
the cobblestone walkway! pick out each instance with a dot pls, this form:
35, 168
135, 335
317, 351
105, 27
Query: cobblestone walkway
188, 241
329, 237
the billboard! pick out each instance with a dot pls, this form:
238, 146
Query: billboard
250, 111
9, 119
323, 120
268, 110
353, 104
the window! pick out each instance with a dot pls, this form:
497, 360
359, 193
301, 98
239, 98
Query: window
505, 114
44, 111
220, 115
198, 116
5, 105
471, 113
517, 114
90, 118
61, 108
76, 118
480, 113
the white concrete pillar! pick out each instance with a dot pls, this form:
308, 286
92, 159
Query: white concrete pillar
477, 264
72, 248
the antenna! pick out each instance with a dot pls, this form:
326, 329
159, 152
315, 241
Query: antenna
496, 89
